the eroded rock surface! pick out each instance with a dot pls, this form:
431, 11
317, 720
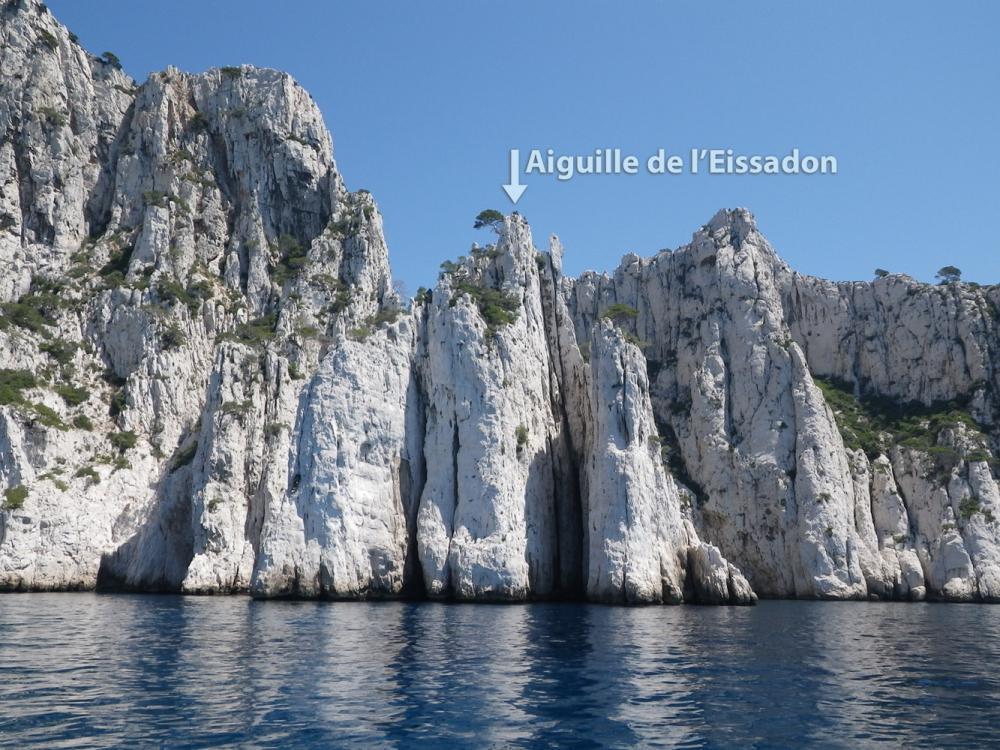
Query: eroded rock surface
208, 383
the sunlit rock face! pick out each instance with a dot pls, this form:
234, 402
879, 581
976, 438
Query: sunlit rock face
208, 383
839, 439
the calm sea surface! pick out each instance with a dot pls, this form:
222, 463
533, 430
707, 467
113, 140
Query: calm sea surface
86, 670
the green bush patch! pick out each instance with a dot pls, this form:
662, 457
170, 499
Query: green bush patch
36, 310
14, 497
47, 417
110, 58
48, 39
52, 116
875, 423
124, 441
968, 507
198, 121
292, 258
119, 403
619, 312
360, 333
12, 383
171, 291
496, 307
72, 395
172, 337
60, 350
254, 332
88, 472
632, 339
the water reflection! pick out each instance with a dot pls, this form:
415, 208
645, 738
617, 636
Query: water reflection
103, 671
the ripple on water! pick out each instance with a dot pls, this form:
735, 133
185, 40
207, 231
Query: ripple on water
85, 670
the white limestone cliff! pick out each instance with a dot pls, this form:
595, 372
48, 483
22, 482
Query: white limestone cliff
486, 526
735, 351
639, 548
209, 385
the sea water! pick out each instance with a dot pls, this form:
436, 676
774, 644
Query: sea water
93, 670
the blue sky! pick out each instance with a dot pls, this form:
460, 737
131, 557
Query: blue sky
425, 99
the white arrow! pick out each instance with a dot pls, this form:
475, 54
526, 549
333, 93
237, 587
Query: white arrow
515, 189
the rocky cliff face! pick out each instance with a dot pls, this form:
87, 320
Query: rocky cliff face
208, 384
839, 439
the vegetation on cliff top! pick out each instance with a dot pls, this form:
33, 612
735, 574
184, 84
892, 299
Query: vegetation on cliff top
488, 219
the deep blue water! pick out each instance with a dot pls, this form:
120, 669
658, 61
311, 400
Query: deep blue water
86, 670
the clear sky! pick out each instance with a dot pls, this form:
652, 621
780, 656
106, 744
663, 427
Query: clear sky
425, 99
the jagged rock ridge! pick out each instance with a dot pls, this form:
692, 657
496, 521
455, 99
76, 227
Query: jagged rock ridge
208, 384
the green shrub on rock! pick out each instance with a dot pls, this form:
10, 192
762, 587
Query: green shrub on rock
488, 219
875, 423
497, 308
619, 312
124, 441
82, 422
14, 497
88, 472
292, 257
360, 333
47, 416
35, 311
172, 337
110, 58
12, 383
60, 350
72, 395
255, 332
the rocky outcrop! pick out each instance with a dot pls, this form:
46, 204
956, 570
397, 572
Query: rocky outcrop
639, 548
208, 383
487, 526
344, 527
800, 449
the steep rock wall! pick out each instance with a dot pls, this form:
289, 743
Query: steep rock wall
208, 383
